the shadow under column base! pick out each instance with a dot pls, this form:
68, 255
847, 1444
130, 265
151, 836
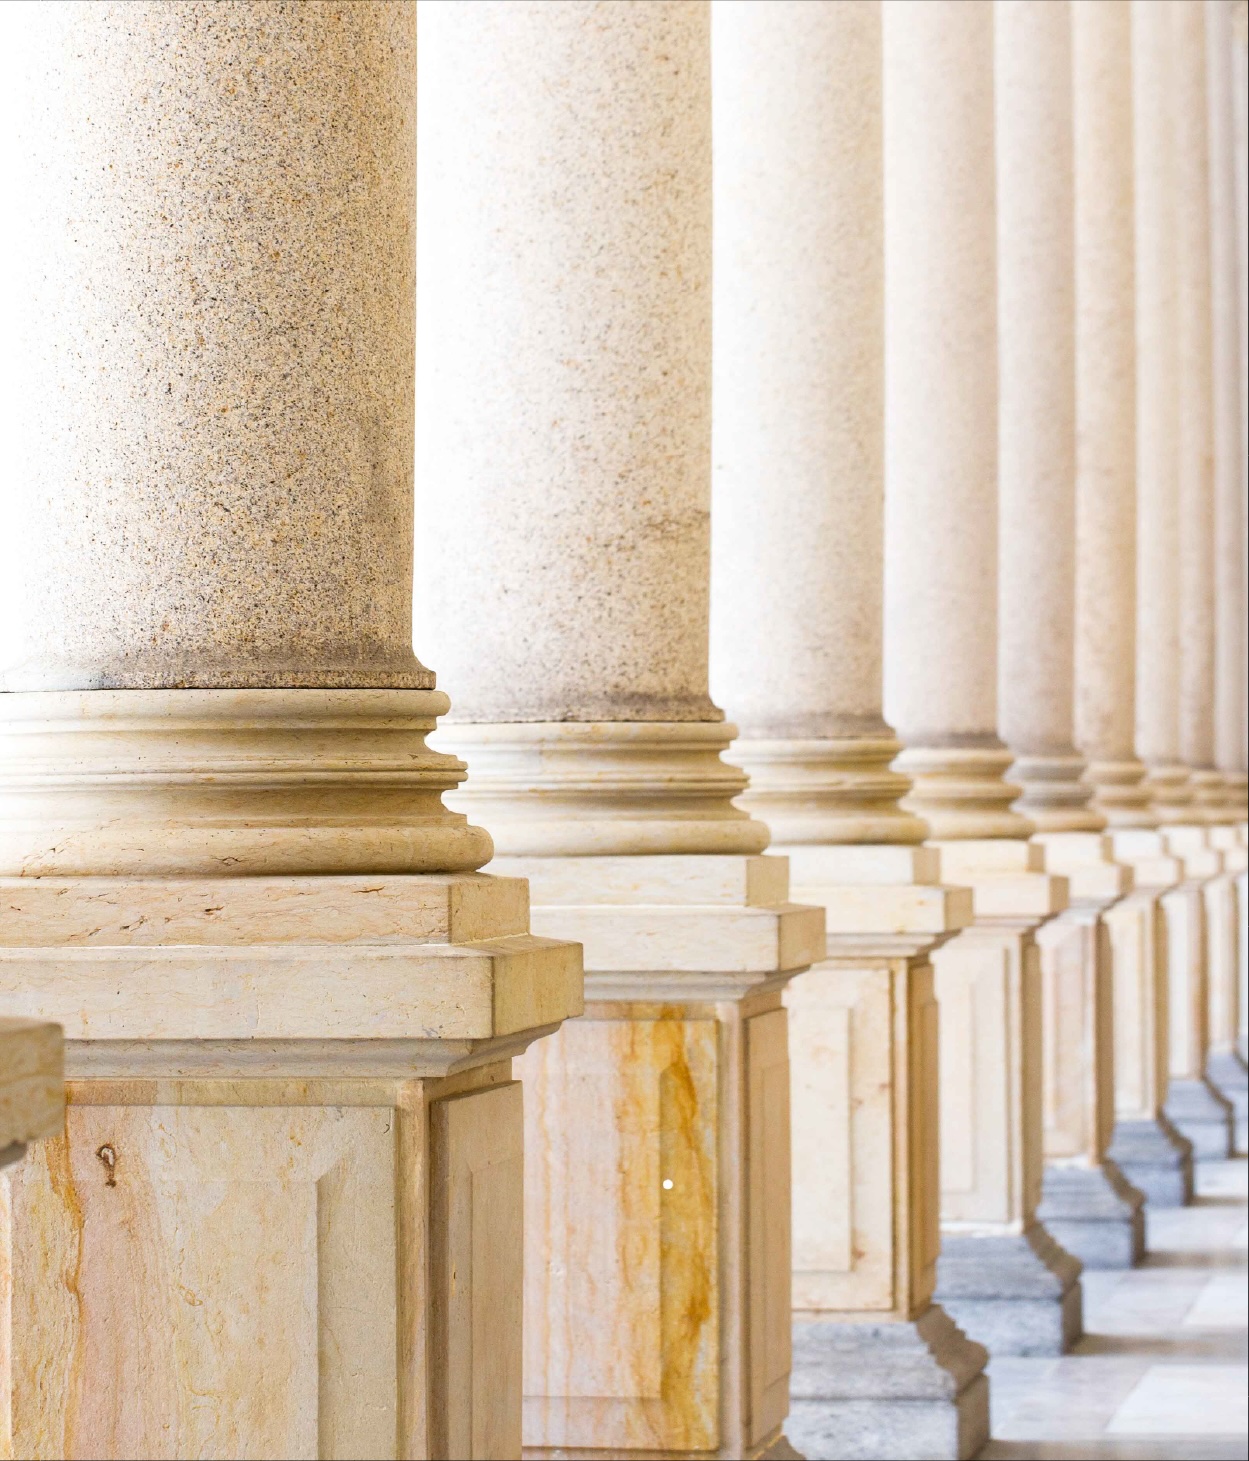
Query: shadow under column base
1095, 1214
1227, 1073
1156, 1160
1017, 1293
1200, 1113
904, 1389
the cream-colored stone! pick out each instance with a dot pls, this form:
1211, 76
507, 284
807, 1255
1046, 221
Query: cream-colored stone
632, 1106
988, 983
940, 391
1157, 413
1195, 402
796, 659
1105, 364
1036, 282
564, 411
588, 788
1078, 1001
1231, 508
1139, 946
216, 358
799, 323
285, 1217
234, 783
564, 259
32, 1087
315, 1201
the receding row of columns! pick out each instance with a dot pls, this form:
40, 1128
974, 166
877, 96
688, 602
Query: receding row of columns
865, 372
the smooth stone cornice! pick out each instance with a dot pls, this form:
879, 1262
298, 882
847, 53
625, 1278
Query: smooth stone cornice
228, 783
962, 793
828, 791
575, 789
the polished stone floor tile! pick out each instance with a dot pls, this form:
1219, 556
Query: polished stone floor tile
1161, 1374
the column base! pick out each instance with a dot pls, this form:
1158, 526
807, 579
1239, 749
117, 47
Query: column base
1227, 1073
1095, 1214
1204, 1117
903, 1389
1155, 1159
1016, 1293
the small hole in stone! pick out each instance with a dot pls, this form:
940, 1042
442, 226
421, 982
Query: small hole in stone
667, 1184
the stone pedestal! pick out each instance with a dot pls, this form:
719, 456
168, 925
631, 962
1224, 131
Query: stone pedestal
32, 1086
1001, 1276
879, 1369
1087, 1204
1146, 1147
1194, 1106
1225, 1065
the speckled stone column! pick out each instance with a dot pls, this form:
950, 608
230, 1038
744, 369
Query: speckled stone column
1240, 101
1157, 441
1000, 1274
1086, 1204
1145, 1146
290, 1186
563, 462
796, 628
1195, 403
1161, 535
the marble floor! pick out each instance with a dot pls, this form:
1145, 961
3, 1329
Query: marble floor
1161, 1373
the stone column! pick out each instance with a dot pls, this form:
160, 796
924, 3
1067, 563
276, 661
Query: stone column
1240, 135
32, 1085
1087, 1205
1000, 1274
1224, 1064
796, 630
564, 449
1192, 1105
289, 1191
1153, 1156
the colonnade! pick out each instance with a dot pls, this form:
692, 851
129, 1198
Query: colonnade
555, 1063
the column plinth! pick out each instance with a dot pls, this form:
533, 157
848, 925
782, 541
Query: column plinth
999, 1275
290, 1183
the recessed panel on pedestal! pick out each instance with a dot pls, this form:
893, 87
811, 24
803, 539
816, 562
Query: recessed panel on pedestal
841, 1038
206, 1281
621, 1187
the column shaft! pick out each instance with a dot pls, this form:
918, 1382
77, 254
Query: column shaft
1157, 419
1194, 358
